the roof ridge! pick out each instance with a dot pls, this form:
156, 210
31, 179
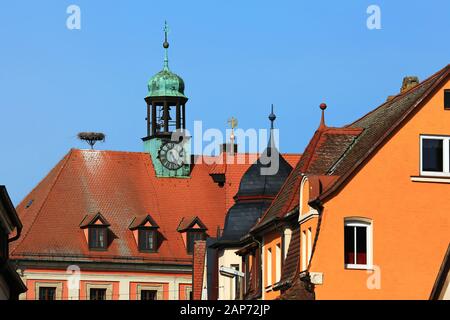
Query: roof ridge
401, 94
64, 162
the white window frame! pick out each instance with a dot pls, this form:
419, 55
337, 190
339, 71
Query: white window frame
445, 151
309, 232
353, 222
303, 252
278, 263
269, 266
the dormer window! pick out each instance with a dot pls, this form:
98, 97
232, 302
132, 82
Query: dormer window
147, 239
192, 229
192, 236
96, 229
145, 231
98, 238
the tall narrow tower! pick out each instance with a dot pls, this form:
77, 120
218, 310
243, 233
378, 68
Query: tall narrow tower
166, 116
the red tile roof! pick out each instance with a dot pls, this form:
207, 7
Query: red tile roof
325, 148
121, 186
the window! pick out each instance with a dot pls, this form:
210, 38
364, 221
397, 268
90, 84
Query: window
278, 263
309, 245
47, 293
357, 244
193, 236
237, 283
435, 156
149, 295
269, 267
97, 294
98, 238
447, 99
303, 253
247, 272
147, 239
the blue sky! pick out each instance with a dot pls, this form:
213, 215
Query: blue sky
236, 57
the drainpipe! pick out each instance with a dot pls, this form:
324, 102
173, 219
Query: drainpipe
17, 236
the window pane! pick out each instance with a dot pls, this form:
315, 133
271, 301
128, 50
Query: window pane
447, 99
148, 294
361, 245
432, 155
97, 294
47, 293
146, 239
349, 245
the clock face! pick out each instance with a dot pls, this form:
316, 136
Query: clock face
172, 155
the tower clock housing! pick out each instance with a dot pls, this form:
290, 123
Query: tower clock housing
166, 118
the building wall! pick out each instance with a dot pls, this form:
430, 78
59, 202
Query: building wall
227, 258
119, 285
411, 222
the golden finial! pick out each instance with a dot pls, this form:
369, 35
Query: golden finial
233, 124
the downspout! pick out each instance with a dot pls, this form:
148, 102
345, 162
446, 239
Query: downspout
260, 275
17, 236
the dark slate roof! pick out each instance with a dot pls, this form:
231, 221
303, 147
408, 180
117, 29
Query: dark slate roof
241, 217
256, 191
256, 183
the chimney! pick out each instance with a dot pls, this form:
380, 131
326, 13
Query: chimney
409, 82
229, 148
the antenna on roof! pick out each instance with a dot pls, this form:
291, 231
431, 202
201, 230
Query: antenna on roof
91, 137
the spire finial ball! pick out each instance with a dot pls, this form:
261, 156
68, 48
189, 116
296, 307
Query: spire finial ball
323, 106
165, 44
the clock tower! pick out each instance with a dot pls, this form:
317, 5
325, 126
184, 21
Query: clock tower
166, 122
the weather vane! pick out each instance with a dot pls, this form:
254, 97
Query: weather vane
233, 124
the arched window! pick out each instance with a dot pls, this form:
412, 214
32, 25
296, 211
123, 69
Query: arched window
358, 243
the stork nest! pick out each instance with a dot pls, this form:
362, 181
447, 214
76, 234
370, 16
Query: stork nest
91, 137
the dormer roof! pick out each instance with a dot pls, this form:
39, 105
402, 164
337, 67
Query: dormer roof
95, 219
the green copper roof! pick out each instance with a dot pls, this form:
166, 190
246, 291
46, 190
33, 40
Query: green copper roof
166, 83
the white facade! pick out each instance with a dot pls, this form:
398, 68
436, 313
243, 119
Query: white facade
227, 283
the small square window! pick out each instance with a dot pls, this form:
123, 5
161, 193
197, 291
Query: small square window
97, 294
435, 156
47, 293
432, 155
447, 99
149, 295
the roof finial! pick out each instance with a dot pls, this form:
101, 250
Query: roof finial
323, 106
166, 46
272, 118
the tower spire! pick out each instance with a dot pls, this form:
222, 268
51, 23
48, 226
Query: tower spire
166, 47
272, 118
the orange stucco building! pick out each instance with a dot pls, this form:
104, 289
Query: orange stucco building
364, 214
